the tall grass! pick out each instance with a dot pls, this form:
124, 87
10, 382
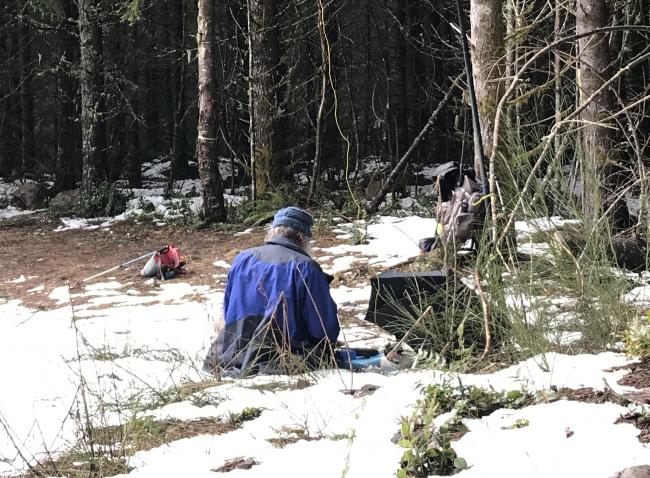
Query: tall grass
567, 298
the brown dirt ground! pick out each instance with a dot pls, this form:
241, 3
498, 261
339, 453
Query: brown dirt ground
29, 247
639, 375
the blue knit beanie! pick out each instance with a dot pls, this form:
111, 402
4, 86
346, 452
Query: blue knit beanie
295, 218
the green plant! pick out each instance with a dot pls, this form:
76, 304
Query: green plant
359, 235
260, 211
637, 338
104, 200
146, 206
248, 413
429, 450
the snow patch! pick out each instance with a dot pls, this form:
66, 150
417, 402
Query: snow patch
11, 211
525, 229
563, 438
70, 223
391, 241
639, 296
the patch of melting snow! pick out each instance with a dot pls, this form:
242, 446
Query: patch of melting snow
366, 425
158, 170
638, 277
342, 263
70, 223
525, 229
11, 211
350, 295
38, 288
639, 296
244, 232
545, 448
390, 241
18, 280
60, 294
221, 263
185, 327
534, 248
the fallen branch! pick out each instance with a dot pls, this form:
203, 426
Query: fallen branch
373, 205
391, 354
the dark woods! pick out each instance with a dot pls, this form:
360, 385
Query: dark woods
267, 93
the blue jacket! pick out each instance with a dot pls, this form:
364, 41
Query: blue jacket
277, 282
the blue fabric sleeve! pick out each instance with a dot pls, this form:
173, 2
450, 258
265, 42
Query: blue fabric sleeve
319, 308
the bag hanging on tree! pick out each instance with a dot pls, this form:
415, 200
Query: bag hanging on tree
164, 264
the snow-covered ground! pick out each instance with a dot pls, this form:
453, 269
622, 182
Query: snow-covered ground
131, 345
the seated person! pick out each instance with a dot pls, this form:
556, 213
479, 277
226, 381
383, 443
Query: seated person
277, 299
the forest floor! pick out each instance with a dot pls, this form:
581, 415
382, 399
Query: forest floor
49, 259
119, 359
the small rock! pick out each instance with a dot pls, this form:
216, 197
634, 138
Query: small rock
65, 199
641, 471
29, 196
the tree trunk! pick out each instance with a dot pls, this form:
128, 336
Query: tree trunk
597, 140
326, 144
401, 94
180, 164
213, 202
264, 57
557, 71
488, 47
66, 153
93, 127
10, 135
26, 100
134, 165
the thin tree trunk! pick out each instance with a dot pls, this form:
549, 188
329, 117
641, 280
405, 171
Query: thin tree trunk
92, 95
251, 115
180, 164
597, 142
264, 57
557, 71
487, 34
325, 116
134, 166
5, 87
27, 100
510, 49
11, 133
213, 202
67, 160
401, 96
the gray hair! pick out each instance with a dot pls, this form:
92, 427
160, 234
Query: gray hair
294, 235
